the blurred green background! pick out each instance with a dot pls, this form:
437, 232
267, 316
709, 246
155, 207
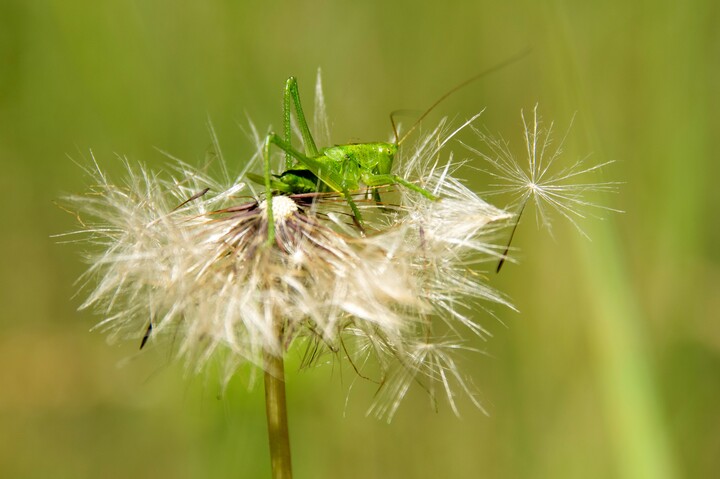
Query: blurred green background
612, 369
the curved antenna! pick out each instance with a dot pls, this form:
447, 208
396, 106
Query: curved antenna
400, 112
480, 75
394, 126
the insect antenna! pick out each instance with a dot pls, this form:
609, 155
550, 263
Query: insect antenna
482, 74
354, 366
395, 113
512, 234
394, 127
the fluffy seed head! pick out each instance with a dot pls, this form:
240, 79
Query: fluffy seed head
188, 254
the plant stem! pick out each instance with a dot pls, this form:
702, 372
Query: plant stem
277, 421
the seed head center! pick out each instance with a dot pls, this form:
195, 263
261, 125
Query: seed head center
282, 208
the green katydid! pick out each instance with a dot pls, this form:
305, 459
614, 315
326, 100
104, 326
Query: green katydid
340, 168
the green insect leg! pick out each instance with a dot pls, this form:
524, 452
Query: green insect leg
381, 180
292, 95
268, 190
357, 217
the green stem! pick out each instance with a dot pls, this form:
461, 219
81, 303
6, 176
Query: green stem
277, 421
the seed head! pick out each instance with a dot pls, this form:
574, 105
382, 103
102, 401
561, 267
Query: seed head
189, 255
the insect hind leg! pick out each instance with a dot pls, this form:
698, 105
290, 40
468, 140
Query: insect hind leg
292, 96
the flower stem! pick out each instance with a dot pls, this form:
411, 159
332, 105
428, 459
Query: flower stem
277, 421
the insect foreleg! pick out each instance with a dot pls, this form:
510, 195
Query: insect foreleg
388, 179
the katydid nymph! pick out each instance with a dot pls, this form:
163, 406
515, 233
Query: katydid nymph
340, 168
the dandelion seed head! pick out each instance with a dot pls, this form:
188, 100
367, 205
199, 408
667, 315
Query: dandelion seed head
204, 276
188, 253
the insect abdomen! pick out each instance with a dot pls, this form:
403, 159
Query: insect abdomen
302, 181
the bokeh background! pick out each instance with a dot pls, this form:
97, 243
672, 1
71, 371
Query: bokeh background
612, 368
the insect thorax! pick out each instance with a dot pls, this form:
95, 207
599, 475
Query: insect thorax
371, 157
